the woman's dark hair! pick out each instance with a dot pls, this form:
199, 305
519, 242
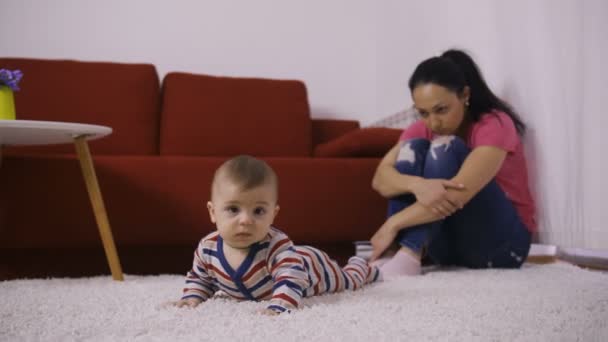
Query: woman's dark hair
454, 70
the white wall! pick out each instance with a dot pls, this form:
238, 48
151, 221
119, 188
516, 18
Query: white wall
411, 31
328, 44
543, 56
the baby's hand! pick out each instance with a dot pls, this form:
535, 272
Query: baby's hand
268, 312
191, 302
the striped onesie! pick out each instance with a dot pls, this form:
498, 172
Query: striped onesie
274, 270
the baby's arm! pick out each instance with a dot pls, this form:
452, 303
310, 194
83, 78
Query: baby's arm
199, 284
289, 277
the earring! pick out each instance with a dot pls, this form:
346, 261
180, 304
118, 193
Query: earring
466, 102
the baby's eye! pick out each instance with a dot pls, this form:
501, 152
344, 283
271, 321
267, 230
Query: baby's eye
423, 114
232, 209
259, 211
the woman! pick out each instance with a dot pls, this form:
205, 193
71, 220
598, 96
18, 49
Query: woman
457, 179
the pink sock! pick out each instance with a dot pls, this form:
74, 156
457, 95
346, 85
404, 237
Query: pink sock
402, 263
379, 262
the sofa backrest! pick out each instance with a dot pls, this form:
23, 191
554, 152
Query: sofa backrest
223, 116
123, 96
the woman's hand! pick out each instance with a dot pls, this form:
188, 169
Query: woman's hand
382, 239
433, 194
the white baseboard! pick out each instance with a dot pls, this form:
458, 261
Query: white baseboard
584, 257
538, 252
581, 256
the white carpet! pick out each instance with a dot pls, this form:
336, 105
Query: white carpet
556, 302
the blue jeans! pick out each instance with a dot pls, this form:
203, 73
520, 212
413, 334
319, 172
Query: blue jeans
487, 232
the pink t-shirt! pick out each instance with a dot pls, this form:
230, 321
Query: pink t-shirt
497, 129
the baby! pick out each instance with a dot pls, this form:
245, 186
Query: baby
248, 259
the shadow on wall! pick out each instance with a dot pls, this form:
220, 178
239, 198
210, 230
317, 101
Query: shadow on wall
530, 141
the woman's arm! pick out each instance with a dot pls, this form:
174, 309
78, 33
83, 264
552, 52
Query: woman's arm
387, 180
478, 169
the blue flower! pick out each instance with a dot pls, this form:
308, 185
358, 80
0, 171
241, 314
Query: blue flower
10, 78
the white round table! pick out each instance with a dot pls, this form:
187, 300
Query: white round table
29, 132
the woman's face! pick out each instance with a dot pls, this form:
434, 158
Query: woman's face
441, 109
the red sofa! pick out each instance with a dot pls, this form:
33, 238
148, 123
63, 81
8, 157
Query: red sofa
155, 169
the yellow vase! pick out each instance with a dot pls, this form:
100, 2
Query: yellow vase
7, 103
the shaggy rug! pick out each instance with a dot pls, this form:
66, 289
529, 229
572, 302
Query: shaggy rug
554, 302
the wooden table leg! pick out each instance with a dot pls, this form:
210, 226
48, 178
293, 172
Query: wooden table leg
90, 178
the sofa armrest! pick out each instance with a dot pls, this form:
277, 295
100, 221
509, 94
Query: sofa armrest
324, 130
370, 142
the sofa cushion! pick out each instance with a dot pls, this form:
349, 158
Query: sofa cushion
222, 116
160, 201
365, 142
125, 97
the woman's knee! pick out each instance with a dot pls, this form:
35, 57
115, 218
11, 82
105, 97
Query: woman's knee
446, 155
447, 145
412, 156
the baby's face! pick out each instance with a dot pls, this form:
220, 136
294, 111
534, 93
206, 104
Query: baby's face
243, 217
